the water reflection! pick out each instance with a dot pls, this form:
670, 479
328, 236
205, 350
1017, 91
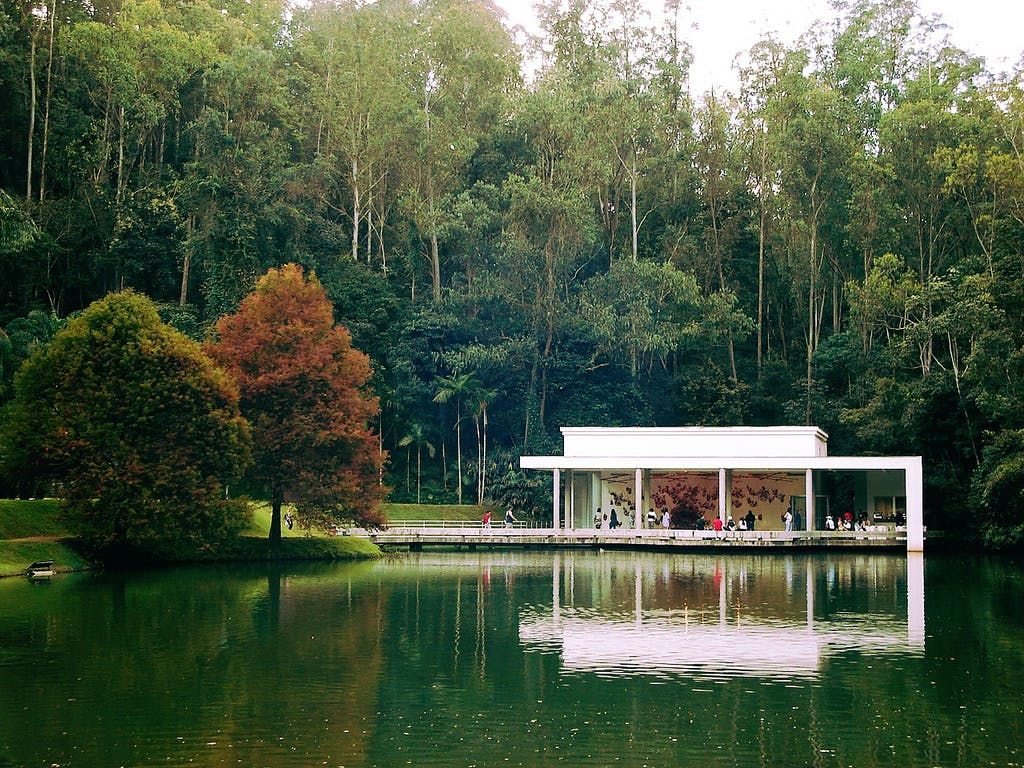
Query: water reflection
530, 659
719, 616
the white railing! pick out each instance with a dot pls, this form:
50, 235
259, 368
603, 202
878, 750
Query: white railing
456, 527
496, 524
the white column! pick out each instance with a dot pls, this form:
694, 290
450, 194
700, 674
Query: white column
914, 480
555, 494
724, 493
809, 490
638, 501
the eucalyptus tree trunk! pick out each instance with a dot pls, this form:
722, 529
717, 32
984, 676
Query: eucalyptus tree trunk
31, 116
276, 502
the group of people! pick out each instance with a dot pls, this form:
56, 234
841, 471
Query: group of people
509, 518
747, 522
611, 520
791, 520
846, 522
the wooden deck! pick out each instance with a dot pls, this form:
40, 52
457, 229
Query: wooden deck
472, 537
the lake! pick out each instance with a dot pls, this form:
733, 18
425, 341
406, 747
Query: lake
521, 659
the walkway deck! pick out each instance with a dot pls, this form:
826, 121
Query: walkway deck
416, 538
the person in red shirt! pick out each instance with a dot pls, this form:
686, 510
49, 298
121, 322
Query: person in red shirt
717, 524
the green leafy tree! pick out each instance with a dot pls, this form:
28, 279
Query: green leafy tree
461, 387
417, 436
305, 391
135, 424
997, 490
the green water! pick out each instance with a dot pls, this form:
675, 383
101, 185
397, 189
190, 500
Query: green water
528, 659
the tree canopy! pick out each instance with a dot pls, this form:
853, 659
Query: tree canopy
836, 241
304, 390
135, 424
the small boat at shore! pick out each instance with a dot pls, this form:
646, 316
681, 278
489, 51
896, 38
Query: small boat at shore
40, 569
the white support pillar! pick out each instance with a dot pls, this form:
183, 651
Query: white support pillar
647, 497
556, 493
809, 490
914, 479
724, 494
638, 501
596, 500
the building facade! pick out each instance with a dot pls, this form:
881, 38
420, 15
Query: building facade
687, 476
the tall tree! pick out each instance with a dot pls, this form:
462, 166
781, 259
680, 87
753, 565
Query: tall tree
305, 391
460, 387
463, 68
136, 425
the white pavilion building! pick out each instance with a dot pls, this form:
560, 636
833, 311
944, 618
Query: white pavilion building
703, 472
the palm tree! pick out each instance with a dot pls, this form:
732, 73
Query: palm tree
483, 397
459, 387
417, 434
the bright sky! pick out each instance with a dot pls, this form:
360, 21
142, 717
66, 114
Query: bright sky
724, 28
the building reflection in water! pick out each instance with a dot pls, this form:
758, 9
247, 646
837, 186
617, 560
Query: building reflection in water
726, 616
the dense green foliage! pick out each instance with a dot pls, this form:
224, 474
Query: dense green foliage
304, 391
837, 243
136, 427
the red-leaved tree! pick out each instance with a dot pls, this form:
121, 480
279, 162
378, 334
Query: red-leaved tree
305, 391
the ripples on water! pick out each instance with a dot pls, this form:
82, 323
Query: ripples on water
498, 659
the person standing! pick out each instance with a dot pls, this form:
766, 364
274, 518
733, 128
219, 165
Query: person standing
751, 520
664, 518
788, 520
487, 519
652, 518
509, 518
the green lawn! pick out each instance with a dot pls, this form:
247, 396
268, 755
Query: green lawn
37, 520
20, 518
16, 556
436, 511
39, 536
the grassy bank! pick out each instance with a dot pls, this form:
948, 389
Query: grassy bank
436, 511
21, 519
30, 530
15, 556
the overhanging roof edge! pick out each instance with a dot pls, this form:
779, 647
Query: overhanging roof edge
752, 463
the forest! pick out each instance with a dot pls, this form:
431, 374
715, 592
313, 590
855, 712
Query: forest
524, 233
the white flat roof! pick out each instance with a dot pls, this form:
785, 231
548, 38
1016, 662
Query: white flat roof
751, 463
673, 442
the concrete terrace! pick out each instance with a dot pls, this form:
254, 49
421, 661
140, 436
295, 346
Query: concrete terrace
472, 536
